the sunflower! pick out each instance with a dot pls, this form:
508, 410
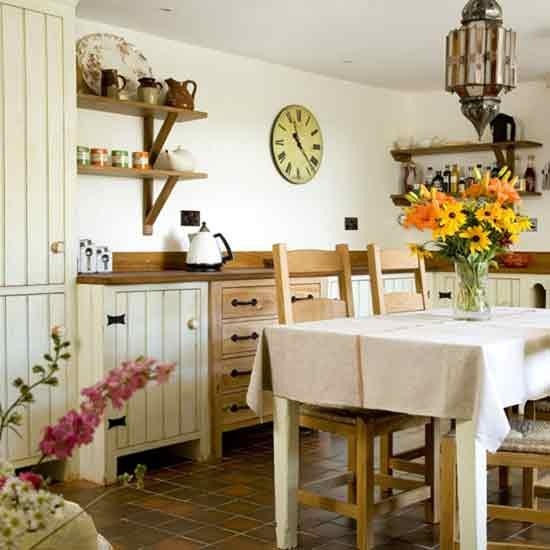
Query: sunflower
490, 213
523, 223
478, 237
419, 250
451, 219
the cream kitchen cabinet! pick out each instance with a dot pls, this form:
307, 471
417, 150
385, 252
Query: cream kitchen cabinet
37, 177
504, 290
166, 322
362, 297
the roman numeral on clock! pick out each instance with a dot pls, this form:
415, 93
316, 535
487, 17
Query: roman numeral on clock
279, 142
314, 161
298, 175
299, 115
316, 147
289, 168
289, 116
315, 132
282, 127
281, 157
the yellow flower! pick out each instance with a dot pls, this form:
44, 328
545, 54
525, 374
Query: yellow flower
523, 223
451, 219
478, 237
490, 213
419, 250
507, 220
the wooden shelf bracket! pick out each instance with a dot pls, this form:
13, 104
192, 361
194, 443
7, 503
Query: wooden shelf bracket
154, 145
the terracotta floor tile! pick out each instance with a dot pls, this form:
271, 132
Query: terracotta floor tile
243, 543
181, 526
173, 543
210, 534
241, 507
240, 491
240, 524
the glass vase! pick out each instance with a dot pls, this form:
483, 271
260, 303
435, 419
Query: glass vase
471, 302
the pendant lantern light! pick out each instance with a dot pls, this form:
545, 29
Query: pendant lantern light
481, 62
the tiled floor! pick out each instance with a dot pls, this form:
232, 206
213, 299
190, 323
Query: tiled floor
229, 506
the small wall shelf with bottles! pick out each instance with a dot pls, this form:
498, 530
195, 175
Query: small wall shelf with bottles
505, 153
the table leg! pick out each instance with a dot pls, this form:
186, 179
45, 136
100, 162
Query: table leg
287, 457
472, 488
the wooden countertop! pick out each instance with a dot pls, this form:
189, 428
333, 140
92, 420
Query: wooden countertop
181, 276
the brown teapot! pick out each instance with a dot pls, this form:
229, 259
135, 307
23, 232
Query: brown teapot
179, 94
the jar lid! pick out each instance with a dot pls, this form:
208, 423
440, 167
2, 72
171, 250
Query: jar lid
82, 148
99, 150
119, 152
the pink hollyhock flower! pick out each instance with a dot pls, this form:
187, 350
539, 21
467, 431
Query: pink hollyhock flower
163, 371
3, 480
36, 480
58, 331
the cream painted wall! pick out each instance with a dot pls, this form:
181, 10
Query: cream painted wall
438, 114
244, 196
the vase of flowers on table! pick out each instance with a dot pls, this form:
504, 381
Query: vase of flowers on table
31, 516
469, 230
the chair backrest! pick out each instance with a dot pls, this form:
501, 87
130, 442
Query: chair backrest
312, 263
396, 262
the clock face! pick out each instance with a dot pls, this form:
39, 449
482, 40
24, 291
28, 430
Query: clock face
297, 144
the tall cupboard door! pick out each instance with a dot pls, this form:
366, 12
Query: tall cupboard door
37, 175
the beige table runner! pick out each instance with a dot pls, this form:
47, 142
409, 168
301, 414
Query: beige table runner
423, 363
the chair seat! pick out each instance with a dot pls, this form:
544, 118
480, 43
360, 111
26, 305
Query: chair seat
344, 416
528, 436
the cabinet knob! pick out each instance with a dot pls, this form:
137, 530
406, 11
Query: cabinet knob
57, 247
193, 324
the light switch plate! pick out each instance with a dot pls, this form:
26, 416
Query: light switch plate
351, 224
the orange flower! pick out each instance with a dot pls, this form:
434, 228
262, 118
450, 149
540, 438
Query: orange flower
475, 191
422, 216
503, 192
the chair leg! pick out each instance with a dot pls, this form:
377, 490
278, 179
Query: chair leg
386, 454
432, 475
365, 485
352, 467
447, 526
528, 492
503, 478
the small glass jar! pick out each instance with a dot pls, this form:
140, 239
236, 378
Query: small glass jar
120, 159
83, 156
141, 160
100, 157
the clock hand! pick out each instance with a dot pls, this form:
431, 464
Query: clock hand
300, 146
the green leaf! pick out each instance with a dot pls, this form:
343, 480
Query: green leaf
38, 369
48, 358
52, 382
17, 383
65, 356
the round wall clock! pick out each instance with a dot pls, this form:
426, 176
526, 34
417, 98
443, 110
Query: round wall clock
297, 144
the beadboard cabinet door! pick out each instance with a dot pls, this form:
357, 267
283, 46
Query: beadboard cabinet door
25, 321
35, 167
167, 323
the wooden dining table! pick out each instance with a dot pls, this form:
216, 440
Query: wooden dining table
424, 363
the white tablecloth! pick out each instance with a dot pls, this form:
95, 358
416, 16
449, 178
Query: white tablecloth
423, 364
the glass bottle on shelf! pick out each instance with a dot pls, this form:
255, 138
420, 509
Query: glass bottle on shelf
437, 182
530, 175
520, 184
455, 179
470, 180
447, 179
428, 177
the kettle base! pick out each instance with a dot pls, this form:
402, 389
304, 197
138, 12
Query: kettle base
204, 267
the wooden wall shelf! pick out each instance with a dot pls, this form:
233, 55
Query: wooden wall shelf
111, 171
405, 155
136, 108
400, 200
151, 143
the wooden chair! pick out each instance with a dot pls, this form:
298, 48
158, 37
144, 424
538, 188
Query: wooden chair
526, 447
403, 262
360, 427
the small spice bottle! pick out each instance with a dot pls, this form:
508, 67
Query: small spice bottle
83, 156
141, 160
100, 157
120, 159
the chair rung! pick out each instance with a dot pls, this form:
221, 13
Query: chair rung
412, 454
518, 460
392, 504
308, 498
409, 467
399, 483
515, 546
313, 423
330, 482
518, 514
542, 487
384, 426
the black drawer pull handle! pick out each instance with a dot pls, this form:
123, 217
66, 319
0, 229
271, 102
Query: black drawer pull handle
236, 408
295, 299
445, 295
237, 303
237, 338
236, 373
115, 422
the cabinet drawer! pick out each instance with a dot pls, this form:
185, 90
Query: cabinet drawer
243, 337
235, 373
235, 409
260, 301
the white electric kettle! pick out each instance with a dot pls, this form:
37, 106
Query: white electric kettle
205, 253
